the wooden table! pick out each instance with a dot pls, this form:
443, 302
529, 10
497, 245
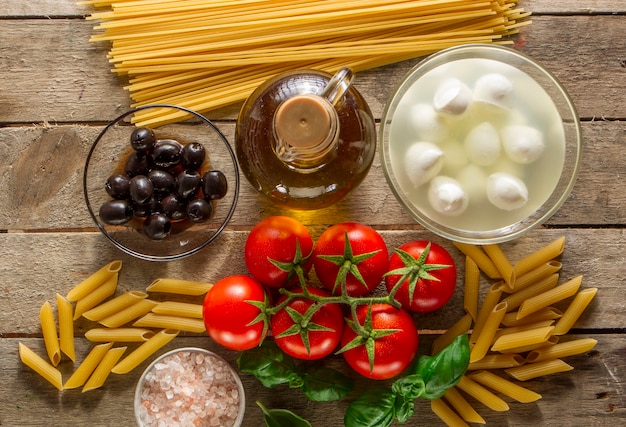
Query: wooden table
56, 93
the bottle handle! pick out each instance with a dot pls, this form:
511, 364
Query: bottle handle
337, 86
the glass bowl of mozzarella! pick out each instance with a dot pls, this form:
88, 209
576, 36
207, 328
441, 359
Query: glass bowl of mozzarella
480, 143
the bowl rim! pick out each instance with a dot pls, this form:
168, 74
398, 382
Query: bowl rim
140, 382
501, 234
217, 232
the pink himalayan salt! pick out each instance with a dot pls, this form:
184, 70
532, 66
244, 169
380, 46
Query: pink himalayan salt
189, 389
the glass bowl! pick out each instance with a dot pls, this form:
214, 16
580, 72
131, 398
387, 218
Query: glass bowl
109, 155
195, 385
480, 143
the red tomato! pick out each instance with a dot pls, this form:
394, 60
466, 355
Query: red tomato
323, 330
229, 315
431, 276
363, 240
274, 238
393, 352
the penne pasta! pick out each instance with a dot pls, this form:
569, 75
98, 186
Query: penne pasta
547, 313
176, 286
103, 369
545, 299
144, 351
462, 326
539, 369
96, 279
66, 327
115, 305
484, 263
164, 321
530, 347
445, 414
87, 366
49, 331
119, 334
502, 263
129, 313
539, 257
182, 309
462, 407
41, 366
561, 350
470, 295
497, 361
491, 300
483, 395
536, 275
522, 328
94, 298
485, 338
516, 299
524, 339
574, 311
505, 387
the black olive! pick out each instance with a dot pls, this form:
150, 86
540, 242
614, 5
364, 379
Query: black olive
116, 212
214, 185
137, 164
142, 139
141, 189
199, 210
193, 156
157, 226
162, 181
173, 207
166, 153
118, 186
188, 183
152, 205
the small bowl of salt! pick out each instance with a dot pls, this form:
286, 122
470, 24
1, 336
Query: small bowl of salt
189, 386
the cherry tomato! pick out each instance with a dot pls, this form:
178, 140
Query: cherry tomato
331, 252
230, 315
431, 276
392, 352
274, 238
322, 331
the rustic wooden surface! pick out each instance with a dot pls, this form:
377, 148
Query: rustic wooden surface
56, 93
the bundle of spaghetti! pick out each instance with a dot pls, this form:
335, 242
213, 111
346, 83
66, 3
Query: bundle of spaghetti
206, 54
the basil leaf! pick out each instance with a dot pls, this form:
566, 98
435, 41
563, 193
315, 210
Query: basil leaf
411, 386
445, 369
405, 408
269, 365
282, 418
326, 384
374, 408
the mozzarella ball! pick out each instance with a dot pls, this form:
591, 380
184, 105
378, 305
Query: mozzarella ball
447, 196
454, 158
493, 90
422, 162
452, 98
506, 191
523, 144
474, 180
482, 144
428, 125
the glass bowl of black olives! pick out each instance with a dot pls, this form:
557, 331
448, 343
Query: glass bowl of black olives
161, 192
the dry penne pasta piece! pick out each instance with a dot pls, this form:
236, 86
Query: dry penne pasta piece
504, 386
561, 350
574, 311
550, 297
462, 407
485, 337
49, 331
115, 305
164, 321
547, 313
535, 275
66, 327
524, 339
462, 326
447, 415
530, 347
144, 351
516, 299
103, 369
522, 328
483, 395
539, 257
92, 282
182, 309
87, 366
119, 334
491, 300
129, 313
497, 361
41, 366
539, 369
94, 298
502, 263
177, 286
481, 259
470, 295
